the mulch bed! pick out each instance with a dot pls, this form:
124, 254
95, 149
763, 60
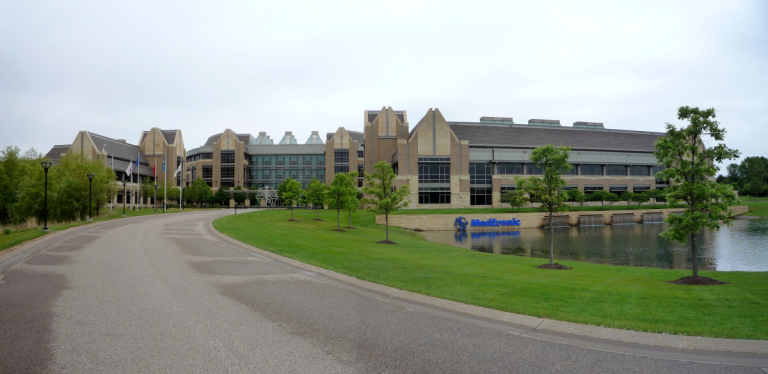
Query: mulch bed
386, 242
339, 230
350, 227
697, 281
315, 219
293, 220
554, 266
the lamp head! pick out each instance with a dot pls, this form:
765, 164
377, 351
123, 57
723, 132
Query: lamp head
90, 176
46, 164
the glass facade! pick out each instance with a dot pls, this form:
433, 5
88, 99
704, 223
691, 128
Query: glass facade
591, 169
640, 170
434, 195
506, 168
618, 170
480, 173
533, 169
271, 170
227, 157
480, 196
434, 170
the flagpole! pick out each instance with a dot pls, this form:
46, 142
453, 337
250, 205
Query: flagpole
165, 179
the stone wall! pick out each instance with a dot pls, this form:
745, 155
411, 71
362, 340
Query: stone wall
432, 222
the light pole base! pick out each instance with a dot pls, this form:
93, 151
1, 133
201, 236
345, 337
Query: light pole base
90, 219
46, 229
123, 215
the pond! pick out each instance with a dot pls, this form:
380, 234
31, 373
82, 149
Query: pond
742, 247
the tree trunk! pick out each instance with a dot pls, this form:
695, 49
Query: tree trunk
318, 213
386, 218
350, 218
551, 239
338, 219
291, 214
694, 263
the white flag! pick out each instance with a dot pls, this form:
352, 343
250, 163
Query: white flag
130, 169
177, 171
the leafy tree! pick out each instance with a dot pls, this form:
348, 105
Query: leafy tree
573, 194
640, 198
626, 196
255, 200
353, 200
612, 198
384, 197
548, 189
581, 198
600, 196
239, 197
315, 195
289, 191
516, 199
145, 187
198, 191
221, 197
689, 166
341, 188
655, 194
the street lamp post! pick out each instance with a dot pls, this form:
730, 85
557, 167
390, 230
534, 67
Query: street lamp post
123, 180
90, 195
156, 197
46, 165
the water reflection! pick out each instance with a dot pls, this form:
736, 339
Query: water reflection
743, 247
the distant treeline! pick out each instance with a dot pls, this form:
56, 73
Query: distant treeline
750, 177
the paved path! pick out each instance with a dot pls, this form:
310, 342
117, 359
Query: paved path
166, 295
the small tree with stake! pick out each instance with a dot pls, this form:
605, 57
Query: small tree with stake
548, 189
289, 191
384, 197
315, 195
692, 167
352, 202
515, 199
340, 189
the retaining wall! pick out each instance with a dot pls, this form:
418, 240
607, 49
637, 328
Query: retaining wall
434, 222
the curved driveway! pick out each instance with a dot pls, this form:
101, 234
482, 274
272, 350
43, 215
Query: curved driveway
164, 294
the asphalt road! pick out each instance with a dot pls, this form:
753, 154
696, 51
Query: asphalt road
165, 295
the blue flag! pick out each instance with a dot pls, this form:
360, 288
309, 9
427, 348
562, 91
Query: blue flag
163, 165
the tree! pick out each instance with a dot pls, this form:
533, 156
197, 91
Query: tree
221, 197
655, 194
315, 195
340, 189
640, 198
289, 191
548, 189
581, 198
516, 199
145, 187
612, 198
600, 196
573, 193
384, 198
352, 202
690, 166
198, 191
240, 197
626, 196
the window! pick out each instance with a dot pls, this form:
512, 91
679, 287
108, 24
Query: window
227, 157
227, 184
480, 173
194, 173
293, 160
505, 189
434, 195
340, 169
280, 160
341, 156
641, 188
360, 154
640, 170
574, 170
207, 172
506, 168
592, 189
206, 156
434, 172
616, 170
227, 172
307, 160
320, 161
591, 169
480, 196
266, 161
360, 171
657, 169
321, 174
533, 169
617, 189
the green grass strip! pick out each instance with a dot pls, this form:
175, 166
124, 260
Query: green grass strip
613, 296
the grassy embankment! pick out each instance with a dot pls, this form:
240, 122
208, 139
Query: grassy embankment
17, 237
612, 296
758, 206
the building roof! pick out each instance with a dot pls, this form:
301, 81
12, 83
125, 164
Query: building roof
117, 148
533, 136
169, 135
55, 153
356, 135
373, 113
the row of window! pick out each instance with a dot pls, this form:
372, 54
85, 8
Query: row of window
481, 172
200, 156
281, 174
290, 160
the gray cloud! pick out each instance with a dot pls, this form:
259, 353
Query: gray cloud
117, 68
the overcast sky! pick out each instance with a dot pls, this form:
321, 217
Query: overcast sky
119, 67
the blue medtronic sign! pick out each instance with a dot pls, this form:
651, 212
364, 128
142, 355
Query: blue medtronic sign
461, 223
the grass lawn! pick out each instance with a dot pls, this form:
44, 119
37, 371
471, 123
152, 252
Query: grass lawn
612, 296
758, 206
576, 208
18, 237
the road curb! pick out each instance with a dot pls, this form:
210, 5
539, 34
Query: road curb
535, 325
